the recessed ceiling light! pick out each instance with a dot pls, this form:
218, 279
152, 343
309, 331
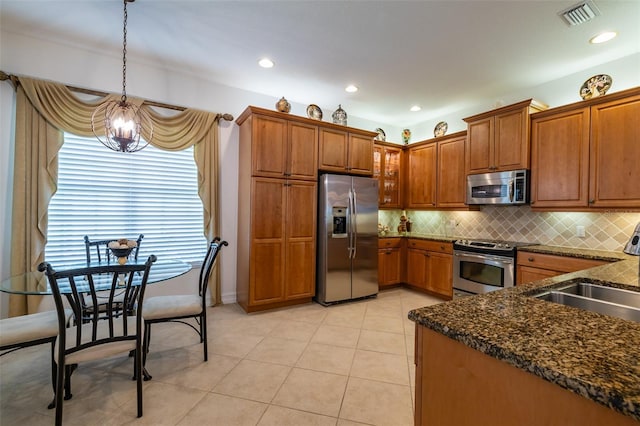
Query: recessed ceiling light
415, 108
602, 37
351, 88
266, 63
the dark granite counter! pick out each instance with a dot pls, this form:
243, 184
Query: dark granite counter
590, 354
610, 256
419, 236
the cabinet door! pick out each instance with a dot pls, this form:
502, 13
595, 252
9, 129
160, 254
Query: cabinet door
560, 160
267, 264
511, 140
303, 151
386, 168
389, 266
417, 268
360, 155
440, 274
300, 272
451, 174
268, 146
526, 274
333, 151
480, 146
615, 154
422, 172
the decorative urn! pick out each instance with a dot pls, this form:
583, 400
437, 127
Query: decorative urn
283, 105
339, 116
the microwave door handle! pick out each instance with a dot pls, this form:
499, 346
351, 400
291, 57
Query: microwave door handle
511, 190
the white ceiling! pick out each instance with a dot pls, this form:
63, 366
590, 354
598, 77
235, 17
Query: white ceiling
442, 55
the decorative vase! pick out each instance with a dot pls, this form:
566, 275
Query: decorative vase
406, 136
283, 105
339, 116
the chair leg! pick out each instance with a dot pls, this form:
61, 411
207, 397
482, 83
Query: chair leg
203, 335
138, 369
60, 385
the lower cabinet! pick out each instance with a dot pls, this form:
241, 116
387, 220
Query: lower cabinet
389, 262
279, 267
537, 266
430, 266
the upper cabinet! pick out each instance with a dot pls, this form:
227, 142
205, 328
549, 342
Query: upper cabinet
436, 173
386, 167
346, 151
282, 148
498, 140
586, 155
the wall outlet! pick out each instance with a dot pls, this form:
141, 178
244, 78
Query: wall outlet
580, 231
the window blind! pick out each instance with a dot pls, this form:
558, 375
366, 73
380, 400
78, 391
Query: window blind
106, 194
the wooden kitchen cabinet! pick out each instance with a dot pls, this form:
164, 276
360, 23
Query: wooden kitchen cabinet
282, 257
492, 390
436, 173
422, 176
277, 196
451, 183
586, 155
387, 160
498, 140
389, 261
430, 266
538, 266
344, 151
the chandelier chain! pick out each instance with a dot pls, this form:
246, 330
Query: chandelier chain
124, 54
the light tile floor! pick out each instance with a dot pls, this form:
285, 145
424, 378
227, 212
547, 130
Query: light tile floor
348, 364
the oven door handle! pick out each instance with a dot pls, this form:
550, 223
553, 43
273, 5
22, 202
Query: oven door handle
504, 260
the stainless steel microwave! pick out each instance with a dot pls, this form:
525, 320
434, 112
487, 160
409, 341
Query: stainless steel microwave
510, 187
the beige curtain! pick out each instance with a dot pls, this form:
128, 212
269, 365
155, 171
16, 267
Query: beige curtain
44, 110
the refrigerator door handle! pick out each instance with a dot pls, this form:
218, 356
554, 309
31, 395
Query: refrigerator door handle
350, 222
354, 217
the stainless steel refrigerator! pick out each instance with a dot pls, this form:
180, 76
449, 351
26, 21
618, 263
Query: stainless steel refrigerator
347, 265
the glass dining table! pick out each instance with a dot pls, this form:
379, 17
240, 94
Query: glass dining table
36, 283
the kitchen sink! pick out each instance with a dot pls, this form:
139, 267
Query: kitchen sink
612, 301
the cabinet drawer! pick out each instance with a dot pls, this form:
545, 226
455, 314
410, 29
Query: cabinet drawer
389, 242
556, 263
430, 245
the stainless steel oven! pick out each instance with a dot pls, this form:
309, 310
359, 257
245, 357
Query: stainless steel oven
483, 266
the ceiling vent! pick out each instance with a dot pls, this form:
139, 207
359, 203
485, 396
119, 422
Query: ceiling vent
580, 13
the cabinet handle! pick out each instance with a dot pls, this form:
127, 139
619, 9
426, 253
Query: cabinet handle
441, 247
592, 201
530, 259
388, 252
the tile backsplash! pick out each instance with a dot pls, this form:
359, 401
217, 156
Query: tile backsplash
603, 231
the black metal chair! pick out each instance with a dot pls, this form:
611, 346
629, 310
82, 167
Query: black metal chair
179, 308
31, 330
97, 337
103, 245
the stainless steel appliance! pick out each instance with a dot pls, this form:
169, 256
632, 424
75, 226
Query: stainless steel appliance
510, 187
483, 266
633, 246
347, 238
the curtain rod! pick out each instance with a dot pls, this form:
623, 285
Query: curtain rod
15, 81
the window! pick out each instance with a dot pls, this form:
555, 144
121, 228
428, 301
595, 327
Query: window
106, 194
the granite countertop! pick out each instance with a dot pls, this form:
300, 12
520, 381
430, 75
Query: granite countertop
419, 236
593, 355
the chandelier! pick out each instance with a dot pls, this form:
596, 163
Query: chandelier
123, 121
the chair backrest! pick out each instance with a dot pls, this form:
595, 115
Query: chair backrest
128, 279
103, 245
209, 259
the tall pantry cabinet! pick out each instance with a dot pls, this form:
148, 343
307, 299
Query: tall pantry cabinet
276, 210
